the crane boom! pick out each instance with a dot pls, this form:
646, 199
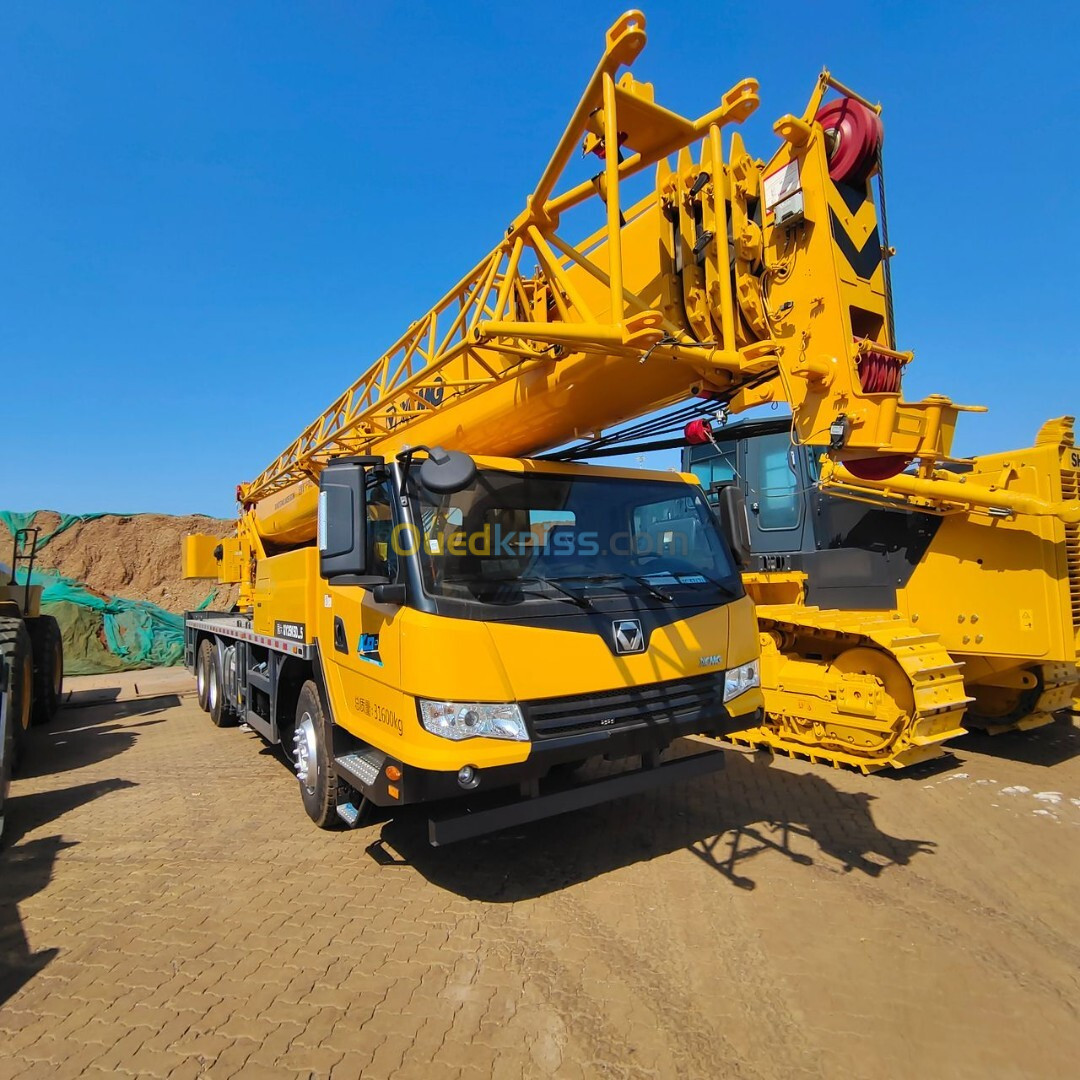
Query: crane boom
734, 280
510, 345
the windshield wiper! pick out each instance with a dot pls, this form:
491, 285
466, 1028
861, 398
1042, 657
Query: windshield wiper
659, 593
726, 589
576, 598
645, 583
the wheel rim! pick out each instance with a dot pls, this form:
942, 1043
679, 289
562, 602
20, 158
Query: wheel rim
200, 678
212, 694
305, 753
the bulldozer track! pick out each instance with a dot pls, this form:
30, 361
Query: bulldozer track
817, 711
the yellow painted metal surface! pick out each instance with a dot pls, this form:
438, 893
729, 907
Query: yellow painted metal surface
27, 601
425, 655
285, 589
864, 689
1003, 591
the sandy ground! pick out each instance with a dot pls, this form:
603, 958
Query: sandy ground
166, 909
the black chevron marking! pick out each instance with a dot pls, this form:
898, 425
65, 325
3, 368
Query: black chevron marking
853, 195
865, 261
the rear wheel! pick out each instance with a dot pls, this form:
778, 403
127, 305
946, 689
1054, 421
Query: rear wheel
48, 649
203, 672
313, 759
18, 658
215, 694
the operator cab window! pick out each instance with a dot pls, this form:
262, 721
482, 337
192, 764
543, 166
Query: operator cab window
774, 483
716, 470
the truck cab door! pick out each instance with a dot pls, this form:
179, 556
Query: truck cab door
363, 658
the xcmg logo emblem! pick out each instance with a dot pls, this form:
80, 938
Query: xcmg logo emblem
628, 636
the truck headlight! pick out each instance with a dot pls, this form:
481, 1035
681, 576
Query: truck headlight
457, 720
742, 678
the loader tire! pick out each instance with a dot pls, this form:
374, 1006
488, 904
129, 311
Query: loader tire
7, 753
48, 649
19, 659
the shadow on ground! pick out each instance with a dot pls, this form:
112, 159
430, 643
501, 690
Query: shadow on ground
87, 736
77, 737
1046, 746
25, 871
748, 810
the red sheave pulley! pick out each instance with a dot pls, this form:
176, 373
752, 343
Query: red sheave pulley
854, 135
698, 432
878, 468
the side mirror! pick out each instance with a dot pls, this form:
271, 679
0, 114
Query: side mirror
445, 472
343, 518
389, 593
731, 510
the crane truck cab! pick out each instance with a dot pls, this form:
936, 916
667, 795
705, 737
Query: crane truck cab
461, 625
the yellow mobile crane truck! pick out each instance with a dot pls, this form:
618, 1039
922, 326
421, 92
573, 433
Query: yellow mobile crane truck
427, 609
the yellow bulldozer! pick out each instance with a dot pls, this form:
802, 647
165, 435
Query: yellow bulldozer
889, 626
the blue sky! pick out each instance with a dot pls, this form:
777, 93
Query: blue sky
214, 216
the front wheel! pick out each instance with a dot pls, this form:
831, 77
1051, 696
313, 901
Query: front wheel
313, 759
19, 659
48, 649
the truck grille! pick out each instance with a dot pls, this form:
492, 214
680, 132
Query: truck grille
678, 701
1070, 488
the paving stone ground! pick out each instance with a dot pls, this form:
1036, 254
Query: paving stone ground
167, 910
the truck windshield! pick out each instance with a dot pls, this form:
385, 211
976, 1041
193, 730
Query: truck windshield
513, 536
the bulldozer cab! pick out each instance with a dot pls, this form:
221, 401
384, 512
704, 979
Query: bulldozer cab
854, 554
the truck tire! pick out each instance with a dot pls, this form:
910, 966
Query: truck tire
48, 649
215, 693
314, 760
203, 663
19, 659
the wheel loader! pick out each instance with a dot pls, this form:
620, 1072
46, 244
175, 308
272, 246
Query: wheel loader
32, 651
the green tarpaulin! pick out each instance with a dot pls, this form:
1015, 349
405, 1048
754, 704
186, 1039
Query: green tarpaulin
16, 520
101, 633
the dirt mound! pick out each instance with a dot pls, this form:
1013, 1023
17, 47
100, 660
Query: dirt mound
136, 557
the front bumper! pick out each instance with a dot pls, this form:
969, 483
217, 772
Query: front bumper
645, 736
